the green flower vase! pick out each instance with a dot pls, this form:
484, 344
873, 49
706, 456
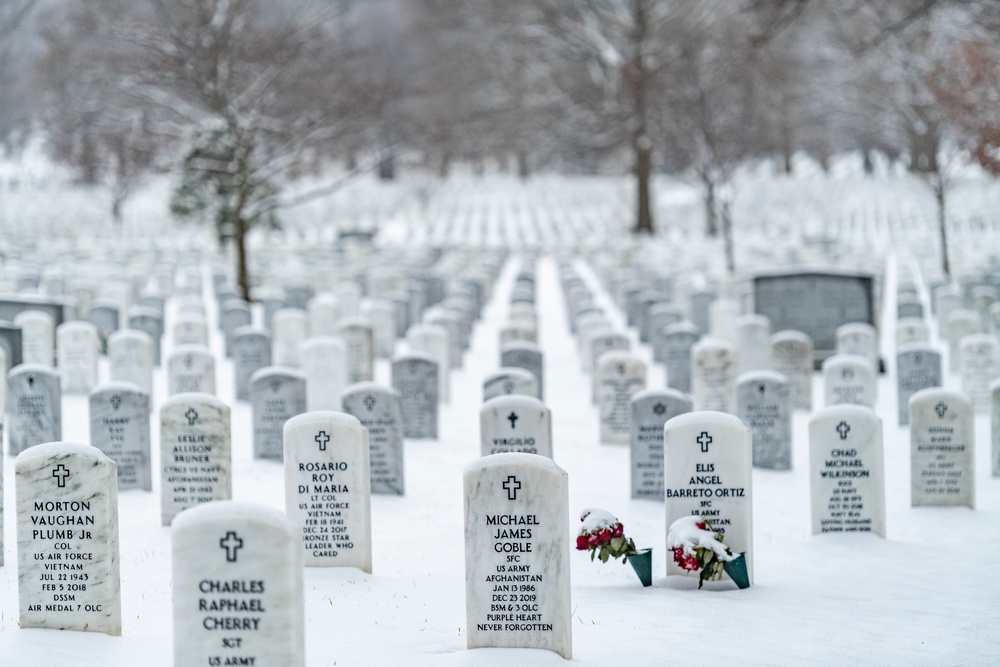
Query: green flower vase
737, 570
642, 563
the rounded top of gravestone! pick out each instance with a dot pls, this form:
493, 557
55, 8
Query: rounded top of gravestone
938, 394
39, 454
21, 369
979, 339
963, 314
187, 397
117, 385
854, 327
837, 360
654, 393
322, 417
181, 350
26, 315
126, 334
323, 341
515, 345
507, 371
235, 304
360, 387
232, 510
356, 321
916, 346
708, 342
251, 330
685, 326
514, 459
103, 303
761, 375
701, 416
143, 311
505, 401
845, 411
413, 356
268, 371
665, 307
517, 326
791, 335
190, 317
755, 319
78, 324
296, 313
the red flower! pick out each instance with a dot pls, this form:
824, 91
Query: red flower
690, 563
594, 539
701, 524
618, 531
678, 554
605, 536
581, 542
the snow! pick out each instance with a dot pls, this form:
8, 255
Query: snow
685, 532
928, 594
595, 519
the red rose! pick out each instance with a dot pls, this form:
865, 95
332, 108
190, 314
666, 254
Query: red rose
678, 555
618, 531
594, 539
605, 535
701, 524
581, 542
690, 563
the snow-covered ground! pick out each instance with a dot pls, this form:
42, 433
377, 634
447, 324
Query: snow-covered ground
927, 594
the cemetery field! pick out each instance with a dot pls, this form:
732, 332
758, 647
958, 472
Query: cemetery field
928, 593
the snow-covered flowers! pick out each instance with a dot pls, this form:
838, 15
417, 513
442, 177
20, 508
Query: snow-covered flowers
603, 535
696, 546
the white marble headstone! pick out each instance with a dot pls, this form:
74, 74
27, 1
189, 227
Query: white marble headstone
846, 470
378, 409
942, 449
359, 350
980, 366
848, 378
196, 458
34, 407
678, 341
517, 573
515, 424
911, 330
237, 587
251, 352
960, 323
37, 337
414, 377
764, 404
713, 375
276, 395
858, 338
67, 539
995, 429
77, 348
753, 334
619, 377
119, 427
288, 334
382, 316
325, 370
707, 466
506, 381
651, 409
328, 488
191, 369
918, 366
130, 357
432, 340
190, 329
792, 356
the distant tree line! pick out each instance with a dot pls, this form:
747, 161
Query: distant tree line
243, 95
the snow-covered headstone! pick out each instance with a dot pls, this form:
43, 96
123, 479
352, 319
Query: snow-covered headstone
378, 409
515, 424
359, 350
651, 409
848, 378
34, 407
763, 403
190, 369
251, 352
517, 573
753, 334
707, 471
237, 587
980, 366
325, 370
119, 427
276, 395
327, 488
196, 458
619, 376
713, 375
414, 377
130, 357
942, 449
792, 356
77, 349
918, 366
288, 333
67, 539
522, 354
846, 470
678, 341
37, 337
507, 381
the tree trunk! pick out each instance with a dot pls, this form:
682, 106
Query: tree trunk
711, 219
643, 173
242, 275
523, 168
727, 238
387, 168
939, 194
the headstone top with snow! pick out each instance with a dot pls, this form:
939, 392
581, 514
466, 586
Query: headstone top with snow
942, 449
237, 587
846, 470
651, 409
517, 584
515, 423
506, 381
276, 395
67, 539
378, 409
119, 427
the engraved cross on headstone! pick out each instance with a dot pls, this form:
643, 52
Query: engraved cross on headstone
61, 473
231, 543
704, 440
843, 428
512, 485
192, 416
941, 409
513, 418
370, 402
321, 439
116, 402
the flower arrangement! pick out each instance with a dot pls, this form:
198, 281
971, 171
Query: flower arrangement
696, 547
603, 535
